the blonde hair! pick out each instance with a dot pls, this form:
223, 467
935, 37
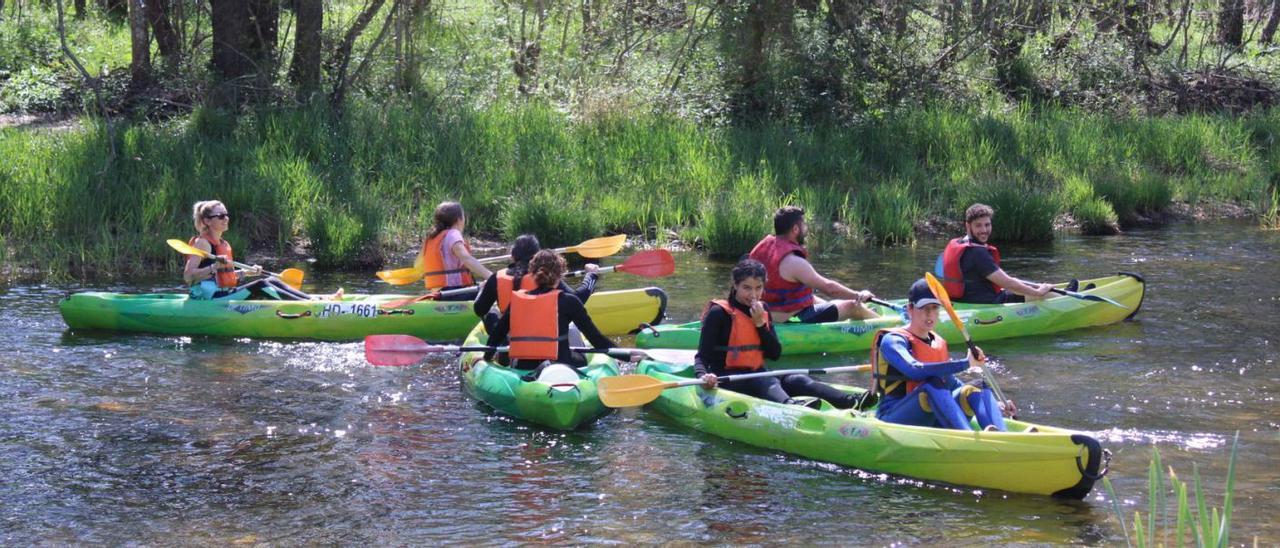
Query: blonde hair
198, 211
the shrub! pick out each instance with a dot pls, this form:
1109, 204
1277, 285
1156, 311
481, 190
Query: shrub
1096, 217
889, 213
556, 222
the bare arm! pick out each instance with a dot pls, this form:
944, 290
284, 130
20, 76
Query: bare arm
796, 269
191, 272
478, 270
1026, 289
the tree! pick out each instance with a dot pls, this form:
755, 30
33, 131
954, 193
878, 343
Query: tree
1269, 31
1231, 23
304, 71
166, 37
140, 40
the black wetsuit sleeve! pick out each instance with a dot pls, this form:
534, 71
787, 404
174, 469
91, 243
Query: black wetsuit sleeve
577, 313
587, 287
715, 333
499, 335
488, 295
769, 342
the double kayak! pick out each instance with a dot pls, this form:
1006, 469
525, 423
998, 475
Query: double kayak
560, 397
350, 318
1048, 461
984, 321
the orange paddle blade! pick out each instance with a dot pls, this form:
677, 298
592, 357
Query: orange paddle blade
630, 390
293, 277
401, 276
941, 293
654, 263
596, 248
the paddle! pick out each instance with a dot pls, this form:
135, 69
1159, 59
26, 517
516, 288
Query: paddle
401, 350
594, 248
1087, 297
896, 307
635, 390
291, 276
941, 293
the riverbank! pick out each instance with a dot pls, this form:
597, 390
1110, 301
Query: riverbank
357, 193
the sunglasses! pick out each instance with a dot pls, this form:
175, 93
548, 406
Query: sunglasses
218, 216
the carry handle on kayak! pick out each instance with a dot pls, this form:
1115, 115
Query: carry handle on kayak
636, 390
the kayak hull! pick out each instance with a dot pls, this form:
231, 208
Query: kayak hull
560, 405
1052, 461
984, 322
352, 318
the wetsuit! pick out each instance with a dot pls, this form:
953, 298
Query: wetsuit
572, 311
716, 330
488, 296
939, 398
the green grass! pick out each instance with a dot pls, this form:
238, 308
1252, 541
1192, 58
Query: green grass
362, 189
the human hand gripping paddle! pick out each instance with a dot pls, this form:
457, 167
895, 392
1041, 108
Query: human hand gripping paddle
402, 350
941, 293
652, 263
636, 390
594, 248
290, 276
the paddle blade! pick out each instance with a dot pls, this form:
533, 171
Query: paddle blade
630, 390
654, 263
292, 277
941, 293
186, 249
408, 301
596, 248
396, 350
401, 276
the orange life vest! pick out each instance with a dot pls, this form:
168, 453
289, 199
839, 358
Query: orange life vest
436, 276
948, 265
780, 294
889, 381
744, 351
506, 286
225, 273
535, 326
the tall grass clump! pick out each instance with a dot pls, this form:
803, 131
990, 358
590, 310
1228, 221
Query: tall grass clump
556, 221
1096, 217
889, 213
1133, 193
1192, 518
736, 219
1023, 212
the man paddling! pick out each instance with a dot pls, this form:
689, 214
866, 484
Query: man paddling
969, 267
915, 376
792, 280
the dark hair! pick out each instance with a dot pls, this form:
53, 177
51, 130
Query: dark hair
447, 214
977, 211
522, 250
748, 268
786, 218
547, 268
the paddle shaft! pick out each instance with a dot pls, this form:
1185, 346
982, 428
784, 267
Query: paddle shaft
883, 302
940, 292
429, 348
507, 257
1084, 297
777, 373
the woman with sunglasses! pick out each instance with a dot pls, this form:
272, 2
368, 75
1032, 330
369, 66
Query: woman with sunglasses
218, 278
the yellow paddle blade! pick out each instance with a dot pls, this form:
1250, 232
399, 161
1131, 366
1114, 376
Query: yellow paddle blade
292, 277
630, 390
401, 276
187, 249
941, 293
596, 248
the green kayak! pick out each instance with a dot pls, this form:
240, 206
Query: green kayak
559, 398
352, 318
1051, 461
985, 322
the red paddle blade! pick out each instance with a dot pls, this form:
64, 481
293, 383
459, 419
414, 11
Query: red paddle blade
395, 350
653, 263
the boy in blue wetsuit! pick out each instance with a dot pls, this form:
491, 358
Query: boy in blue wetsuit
915, 376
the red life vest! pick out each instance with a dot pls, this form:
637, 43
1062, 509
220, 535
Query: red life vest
432, 257
949, 263
506, 286
781, 295
889, 381
225, 274
744, 350
535, 326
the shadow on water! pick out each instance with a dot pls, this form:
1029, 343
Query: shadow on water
113, 438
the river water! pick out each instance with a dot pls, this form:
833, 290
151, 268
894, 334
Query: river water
115, 438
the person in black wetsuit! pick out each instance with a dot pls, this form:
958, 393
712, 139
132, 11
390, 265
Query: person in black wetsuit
737, 337
499, 287
537, 322
969, 267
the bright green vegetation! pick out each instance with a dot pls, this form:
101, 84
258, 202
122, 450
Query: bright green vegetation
1191, 516
362, 188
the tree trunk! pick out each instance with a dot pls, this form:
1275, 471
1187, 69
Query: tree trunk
264, 29
81, 10
1231, 23
230, 61
1269, 31
166, 38
140, 42
304, 71
343, 56
748, 99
